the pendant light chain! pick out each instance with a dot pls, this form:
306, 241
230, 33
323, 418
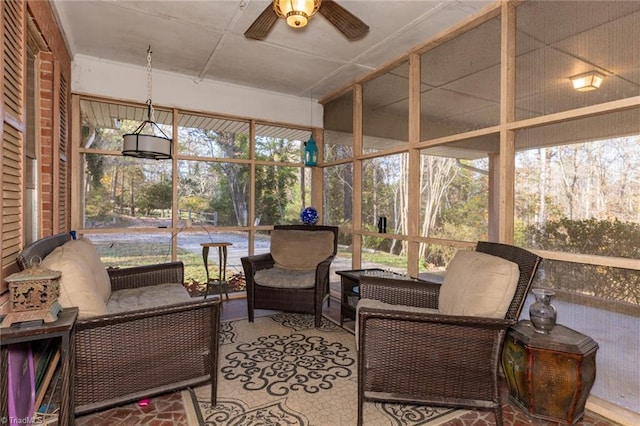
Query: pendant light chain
149, 86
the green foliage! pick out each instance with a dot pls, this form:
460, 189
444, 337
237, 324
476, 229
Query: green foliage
590, 236
156, 196
192, 204
95, 169
98, 205
273, 192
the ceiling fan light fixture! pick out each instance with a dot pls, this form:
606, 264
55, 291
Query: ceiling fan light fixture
296, 12
587, 81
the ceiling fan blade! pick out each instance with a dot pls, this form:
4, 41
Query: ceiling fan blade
263, 24
348, 24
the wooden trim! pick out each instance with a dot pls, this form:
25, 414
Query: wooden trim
252, 188
578, 113
506, 159
174, 184
413, 165
77, 191
356, 244
590, 259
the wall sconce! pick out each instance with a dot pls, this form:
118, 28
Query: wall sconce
587, 81
310, 153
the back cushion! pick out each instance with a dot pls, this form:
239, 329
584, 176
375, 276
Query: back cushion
76, 282
86, 251
300, 250
478, 284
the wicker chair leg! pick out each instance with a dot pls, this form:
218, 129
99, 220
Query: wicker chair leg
498, 413
250, 310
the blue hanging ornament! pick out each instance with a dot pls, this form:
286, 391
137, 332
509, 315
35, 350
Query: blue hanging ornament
310, 153
309, 215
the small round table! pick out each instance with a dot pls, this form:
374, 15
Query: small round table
221, 281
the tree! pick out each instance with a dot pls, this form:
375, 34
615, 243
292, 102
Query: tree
156, 196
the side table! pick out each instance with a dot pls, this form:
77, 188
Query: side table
350, 294
221, 281
549, 375
63, 328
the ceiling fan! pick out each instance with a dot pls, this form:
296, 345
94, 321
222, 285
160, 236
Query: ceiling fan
298, 12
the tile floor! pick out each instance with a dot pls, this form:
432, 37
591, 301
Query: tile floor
168, 410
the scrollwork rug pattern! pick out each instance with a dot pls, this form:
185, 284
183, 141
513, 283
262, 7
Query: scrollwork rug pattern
280, 370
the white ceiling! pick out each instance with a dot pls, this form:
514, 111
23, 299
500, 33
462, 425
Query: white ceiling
204, 39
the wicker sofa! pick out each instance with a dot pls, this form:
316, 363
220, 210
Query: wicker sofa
166, 341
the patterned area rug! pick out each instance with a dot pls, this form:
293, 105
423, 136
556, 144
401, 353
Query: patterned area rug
280, 370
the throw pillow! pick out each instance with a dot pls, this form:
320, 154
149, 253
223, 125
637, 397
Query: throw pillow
478, 284
87, 252
76, 283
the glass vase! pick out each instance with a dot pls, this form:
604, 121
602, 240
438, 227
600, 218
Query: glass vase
542, 313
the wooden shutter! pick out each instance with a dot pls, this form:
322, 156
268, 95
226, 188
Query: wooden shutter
64, 185
12, 131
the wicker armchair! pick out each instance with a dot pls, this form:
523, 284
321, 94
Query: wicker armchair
123, 357
283, 293
420, 356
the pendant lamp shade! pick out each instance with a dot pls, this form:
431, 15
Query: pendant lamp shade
149, 146
153, 143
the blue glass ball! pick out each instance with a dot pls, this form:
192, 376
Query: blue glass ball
309, 215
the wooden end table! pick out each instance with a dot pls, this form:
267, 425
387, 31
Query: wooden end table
349, 298
64, 328
221, 281
549, 375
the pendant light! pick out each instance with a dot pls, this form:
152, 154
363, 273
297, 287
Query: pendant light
310, 152
310, 147
154, 144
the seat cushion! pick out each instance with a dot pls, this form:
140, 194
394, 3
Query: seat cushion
478, 284
77, 286
300, 250
285, 278
153, 296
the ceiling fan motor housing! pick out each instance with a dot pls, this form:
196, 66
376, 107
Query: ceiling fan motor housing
296, 12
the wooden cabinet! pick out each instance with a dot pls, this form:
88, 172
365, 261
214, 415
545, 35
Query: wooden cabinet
549, 375
63, 329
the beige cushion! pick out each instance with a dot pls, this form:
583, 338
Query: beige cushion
285, 278
300, 250
131, 299
478, 284
87, 253
76, 283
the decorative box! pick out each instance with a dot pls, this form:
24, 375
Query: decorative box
549, 375
33, 295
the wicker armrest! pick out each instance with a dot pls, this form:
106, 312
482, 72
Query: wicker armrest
398, 313
126, 356
257, 262
418, 293
142, 276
